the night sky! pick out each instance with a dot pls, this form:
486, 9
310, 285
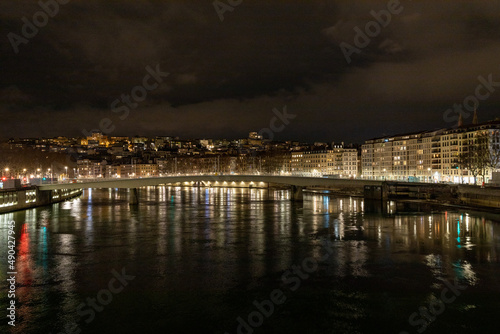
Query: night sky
225, 77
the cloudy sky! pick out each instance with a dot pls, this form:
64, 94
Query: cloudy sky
226, 77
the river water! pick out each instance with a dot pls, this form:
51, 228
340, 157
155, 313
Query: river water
231, 260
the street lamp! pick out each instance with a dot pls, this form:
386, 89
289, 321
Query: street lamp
429, 170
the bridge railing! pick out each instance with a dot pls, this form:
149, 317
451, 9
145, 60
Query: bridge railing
306, 175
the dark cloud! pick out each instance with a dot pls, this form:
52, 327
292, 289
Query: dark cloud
225, 77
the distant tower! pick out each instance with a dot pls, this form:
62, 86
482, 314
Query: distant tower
460, 121
474, 119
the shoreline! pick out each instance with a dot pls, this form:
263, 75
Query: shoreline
432, 202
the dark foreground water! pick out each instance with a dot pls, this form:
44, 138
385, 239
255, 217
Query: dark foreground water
190, 260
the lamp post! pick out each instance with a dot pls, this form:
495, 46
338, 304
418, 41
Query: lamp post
429, 170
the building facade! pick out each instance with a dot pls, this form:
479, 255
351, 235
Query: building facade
429, 156
339, 162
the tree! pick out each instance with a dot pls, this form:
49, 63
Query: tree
481, 154
493, 159
467, 161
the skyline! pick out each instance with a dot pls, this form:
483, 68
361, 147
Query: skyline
226, 77
180, 137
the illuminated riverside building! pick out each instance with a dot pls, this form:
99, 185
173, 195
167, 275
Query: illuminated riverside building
137, 170
296, 165
96, 169
316, 163
428, 156
346, 162
339, 161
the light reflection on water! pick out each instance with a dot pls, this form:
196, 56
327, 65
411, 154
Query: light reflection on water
218, 239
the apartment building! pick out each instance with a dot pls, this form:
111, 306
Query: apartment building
428, 156
138, 170
317, 163
89, 168
349, 160
296, 167
339, 161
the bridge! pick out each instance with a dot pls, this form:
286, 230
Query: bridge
297, 183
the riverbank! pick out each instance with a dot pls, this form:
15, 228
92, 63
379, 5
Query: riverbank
444, 195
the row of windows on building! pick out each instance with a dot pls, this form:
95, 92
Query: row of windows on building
8, 198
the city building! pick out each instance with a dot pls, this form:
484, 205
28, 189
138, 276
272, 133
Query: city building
89, 168
338, 161
431, 156
138, 170
296, 163
317, 163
